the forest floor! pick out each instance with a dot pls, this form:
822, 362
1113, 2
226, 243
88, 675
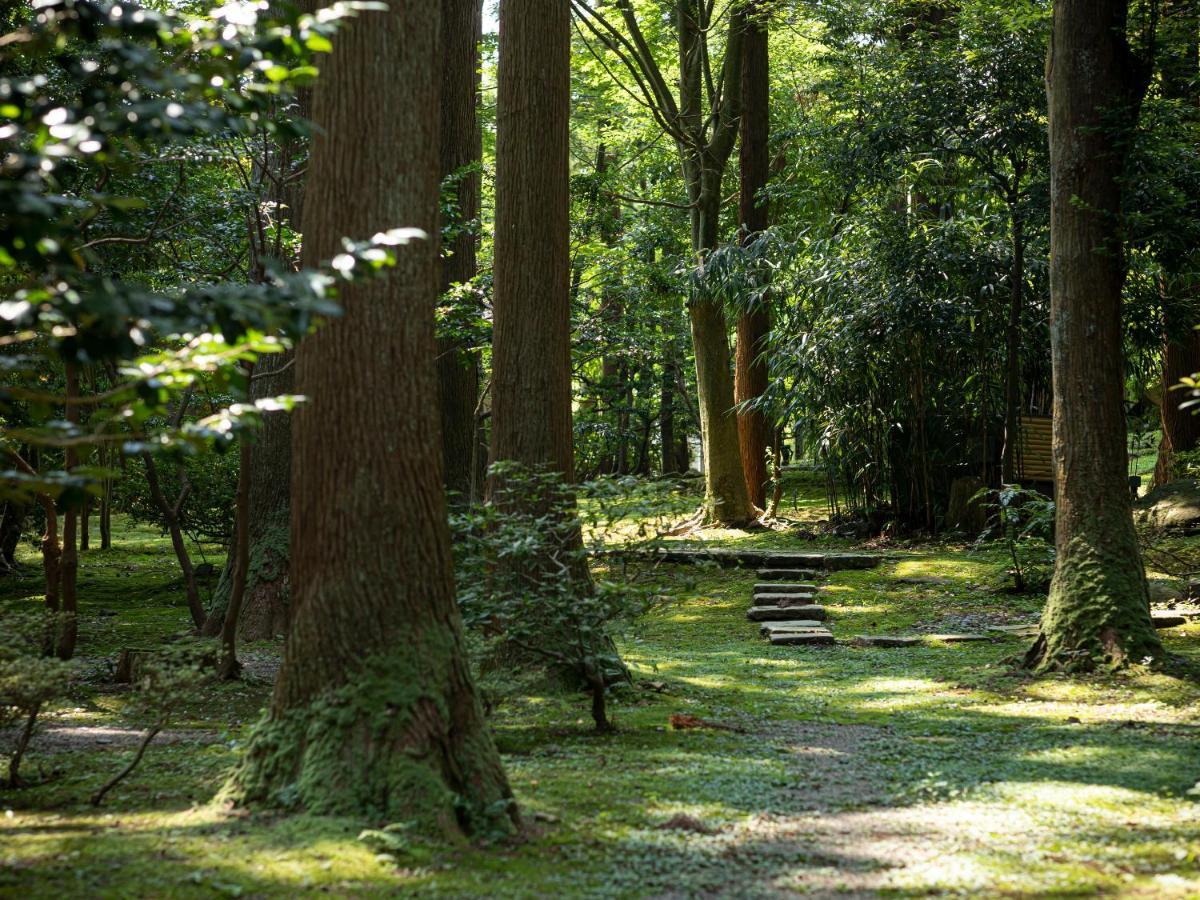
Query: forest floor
935, 769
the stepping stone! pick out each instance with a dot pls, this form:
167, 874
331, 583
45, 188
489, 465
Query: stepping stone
812, 636
957, 638
782, 599
787, 574
1015, 630
885, 640
785, 588
785, 613
769, 628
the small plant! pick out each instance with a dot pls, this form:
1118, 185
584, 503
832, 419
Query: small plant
524, 582
166, 682
1023, 520
29, 678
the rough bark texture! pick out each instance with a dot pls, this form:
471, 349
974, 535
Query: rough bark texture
1180, 427
1098, 610
266, 598
531, 367
1012, 344
374, 713
461, 146
754, 325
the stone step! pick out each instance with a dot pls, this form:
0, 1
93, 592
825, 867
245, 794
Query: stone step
783, 599
1168, 619
785, 613
769, 628
800, 588
812, 636
886, 640
1015, 630
801, 575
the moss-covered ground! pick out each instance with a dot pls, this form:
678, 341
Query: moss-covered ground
928, 770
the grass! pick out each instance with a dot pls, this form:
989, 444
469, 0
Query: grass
927, 770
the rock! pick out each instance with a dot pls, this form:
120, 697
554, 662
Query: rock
1165, 590
885, 640
782, 599
785, 613
1175, 504
813, 636
769, 628
769, 588
958, 638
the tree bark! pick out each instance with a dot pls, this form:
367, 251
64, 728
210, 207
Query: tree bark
531, 366
68, 564
1012, 349
461, 146
754, 324
1098, 612
374, 713
1180, 427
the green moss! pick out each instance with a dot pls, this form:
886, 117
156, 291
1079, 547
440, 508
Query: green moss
1031, 787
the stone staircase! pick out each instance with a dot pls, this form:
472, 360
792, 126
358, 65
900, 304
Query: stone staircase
785, 600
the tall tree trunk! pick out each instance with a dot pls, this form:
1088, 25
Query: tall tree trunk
461, 146
531, 365
374, 713
69, 561
754, 324
1098, 612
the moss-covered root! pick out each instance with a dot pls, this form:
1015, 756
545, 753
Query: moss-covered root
386, 746
1097, 616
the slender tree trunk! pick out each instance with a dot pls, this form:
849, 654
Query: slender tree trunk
754, 324
171, 518
1012, 349
1180, 427
69, 561
666, 415
374, 712
228, 668
531, 366
85, 527
1098, 612
461, 146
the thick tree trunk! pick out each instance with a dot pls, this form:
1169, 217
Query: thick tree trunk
12, 523
1098, 610
374, 713
461, 146
531, 366
266, 596
754, 325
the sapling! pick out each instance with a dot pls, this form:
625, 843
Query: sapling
167, 681
29, 678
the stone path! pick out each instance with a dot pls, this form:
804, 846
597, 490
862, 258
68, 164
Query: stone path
785, 599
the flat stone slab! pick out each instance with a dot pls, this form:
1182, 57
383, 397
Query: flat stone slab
831, 562
785, 613
787, 574
886, 640
957, 638
799, 588
783, 599
769, 628
792, 638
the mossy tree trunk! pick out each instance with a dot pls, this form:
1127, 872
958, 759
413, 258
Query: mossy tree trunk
461, 146
374, 713
1097, 615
